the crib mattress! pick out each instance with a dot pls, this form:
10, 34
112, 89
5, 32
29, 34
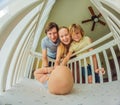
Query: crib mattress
31, 92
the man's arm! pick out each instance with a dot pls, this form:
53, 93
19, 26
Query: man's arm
58, 57
44, 58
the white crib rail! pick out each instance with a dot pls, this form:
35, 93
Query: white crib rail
103, 53
38, 56
111, 12
19, 29
103, 58
18, 56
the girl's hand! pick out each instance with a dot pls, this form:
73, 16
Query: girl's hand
102, 71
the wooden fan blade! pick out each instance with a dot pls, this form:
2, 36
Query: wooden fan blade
99, 15
93, 26
91, 10
84, 21
101, 22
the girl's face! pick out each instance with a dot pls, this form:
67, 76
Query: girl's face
77, 36
64, 36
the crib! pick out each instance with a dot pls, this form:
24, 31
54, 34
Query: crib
20, 59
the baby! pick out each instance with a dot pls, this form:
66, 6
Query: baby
60, 79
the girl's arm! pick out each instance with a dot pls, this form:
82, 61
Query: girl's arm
95, 63
94, 58
97, 70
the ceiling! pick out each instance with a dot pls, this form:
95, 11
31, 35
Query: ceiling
66, 12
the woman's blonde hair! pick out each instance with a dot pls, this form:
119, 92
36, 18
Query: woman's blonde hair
63, 27
62, 47
63, 50
75, 27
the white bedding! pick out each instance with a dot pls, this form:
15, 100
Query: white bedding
31, 92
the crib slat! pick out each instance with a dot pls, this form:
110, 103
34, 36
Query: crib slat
80, 71
116, 63
75, 71
86, 72
108, 66
99, 66
93, 74
38, 60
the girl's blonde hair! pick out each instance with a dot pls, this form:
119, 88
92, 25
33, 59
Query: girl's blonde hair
75, 27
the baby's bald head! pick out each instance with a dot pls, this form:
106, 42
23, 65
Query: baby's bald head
60, 80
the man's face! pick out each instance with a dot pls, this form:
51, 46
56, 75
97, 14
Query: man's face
53, 34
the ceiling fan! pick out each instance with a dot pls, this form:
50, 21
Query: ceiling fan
94, 18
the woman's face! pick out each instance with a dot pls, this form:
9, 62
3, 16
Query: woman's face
77, 36
64, 36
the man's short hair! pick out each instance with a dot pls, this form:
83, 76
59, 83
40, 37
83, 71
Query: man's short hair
50, 26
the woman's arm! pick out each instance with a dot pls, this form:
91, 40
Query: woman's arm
66, 59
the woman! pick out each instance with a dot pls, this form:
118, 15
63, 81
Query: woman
63, 47
62, 51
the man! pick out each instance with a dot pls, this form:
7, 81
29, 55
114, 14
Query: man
49, 43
